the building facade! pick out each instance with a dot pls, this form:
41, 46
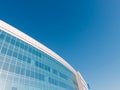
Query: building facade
26, 64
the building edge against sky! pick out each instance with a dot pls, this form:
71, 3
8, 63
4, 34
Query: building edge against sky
22, 36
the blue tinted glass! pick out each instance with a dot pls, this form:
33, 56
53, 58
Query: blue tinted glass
9, 52
12, 41
15, 54
14, 88
27, 73
22, 71
7, 39
5, 66
11, 68
1, 64
34, 68
4, 50
2, 36
17, 70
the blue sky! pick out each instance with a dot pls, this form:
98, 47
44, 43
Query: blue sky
86, 33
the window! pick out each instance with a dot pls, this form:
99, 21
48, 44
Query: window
32, 74
4, 50
29, 60
17, 43
42, 66
22, 71
17, 70
41, 77
7, 39
20, 57
55, 72
12, 41
15, 54
14, 88
36, 75
9, 52
5, 66
27, 73
63, 75
2, 36
12, 67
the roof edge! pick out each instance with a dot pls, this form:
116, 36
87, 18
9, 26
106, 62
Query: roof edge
19, 34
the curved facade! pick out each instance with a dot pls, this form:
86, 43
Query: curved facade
26, 64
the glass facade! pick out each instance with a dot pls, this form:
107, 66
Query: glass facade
24, 67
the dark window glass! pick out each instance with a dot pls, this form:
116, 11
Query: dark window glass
24, 58
63, 76
17, 70
21, 46
2, 36
25, 47
39, 54
49, 69
50, 81
36, 63
9, 52
42, 66
20, 57
32, 74
22, 71
7, 39
14, 88
46, 68
41, 77
17, 43
12, 41
55, 72
4, 50
27, 73
30, 50
29, 60
15, 54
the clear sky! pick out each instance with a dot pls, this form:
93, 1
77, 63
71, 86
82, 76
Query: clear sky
86, 33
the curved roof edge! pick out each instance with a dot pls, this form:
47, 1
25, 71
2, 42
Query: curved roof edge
81, 82
17, 33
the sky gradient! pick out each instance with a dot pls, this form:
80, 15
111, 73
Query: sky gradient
86, 33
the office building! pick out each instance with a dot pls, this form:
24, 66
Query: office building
26, 64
